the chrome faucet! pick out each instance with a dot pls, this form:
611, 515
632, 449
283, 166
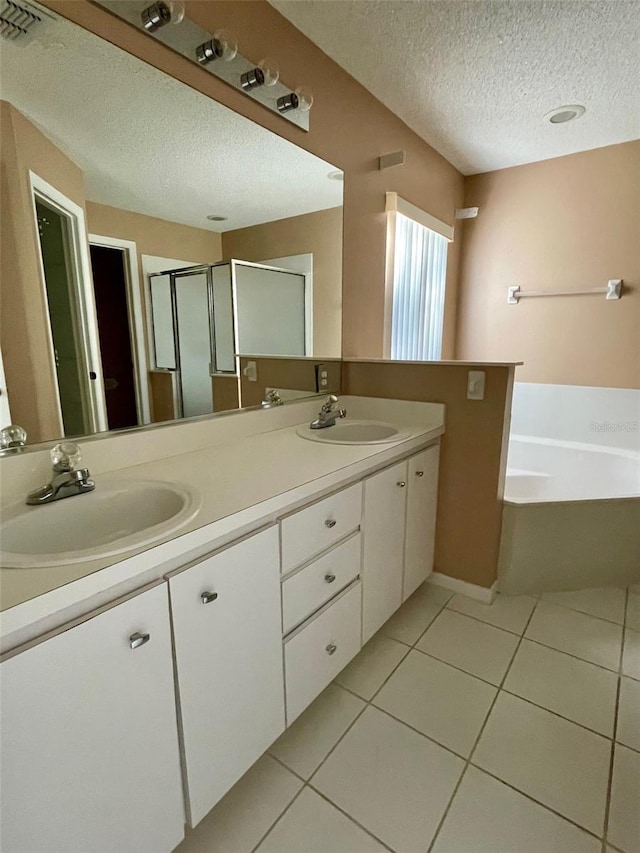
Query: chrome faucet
272, 398
328, 415
13, 439
67, 480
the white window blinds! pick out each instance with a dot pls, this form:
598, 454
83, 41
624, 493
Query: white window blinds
419, 275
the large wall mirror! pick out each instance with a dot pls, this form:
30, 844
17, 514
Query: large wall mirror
156, 246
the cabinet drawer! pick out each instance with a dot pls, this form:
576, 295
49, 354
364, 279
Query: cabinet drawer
312, 587
319, 526
321, 650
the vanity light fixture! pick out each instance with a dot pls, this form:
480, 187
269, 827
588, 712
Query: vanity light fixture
214, 50
561, 115
223, 46
162, 13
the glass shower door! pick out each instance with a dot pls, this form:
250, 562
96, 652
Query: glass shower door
193, 322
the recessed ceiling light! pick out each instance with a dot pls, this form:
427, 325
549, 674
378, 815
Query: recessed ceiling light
215, 218
564, 114
336, 176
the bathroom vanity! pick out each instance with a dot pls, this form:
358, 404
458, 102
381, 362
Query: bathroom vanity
136, 716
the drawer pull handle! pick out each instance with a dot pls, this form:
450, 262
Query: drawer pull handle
331, 648
419, 473
401, 483
208, 597
330, 522
329, 577
138, 639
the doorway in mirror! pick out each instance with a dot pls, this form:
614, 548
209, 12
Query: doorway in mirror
116, 349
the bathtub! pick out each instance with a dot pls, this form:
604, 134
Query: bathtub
571, 516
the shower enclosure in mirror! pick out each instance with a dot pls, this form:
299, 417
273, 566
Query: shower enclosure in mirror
152, 239
202, 317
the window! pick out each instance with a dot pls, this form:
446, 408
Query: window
419, 277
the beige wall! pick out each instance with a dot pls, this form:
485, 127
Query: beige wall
472, 457
154, 236
319, 233
294, 374
568, 223
349, 128
28, 362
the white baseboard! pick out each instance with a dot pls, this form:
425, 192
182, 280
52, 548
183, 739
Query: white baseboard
471, 590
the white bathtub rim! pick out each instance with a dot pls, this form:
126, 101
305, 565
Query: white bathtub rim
577, 445
565, 501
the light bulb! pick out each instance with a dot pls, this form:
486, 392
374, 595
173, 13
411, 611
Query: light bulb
162, 13
271, 71
305, 98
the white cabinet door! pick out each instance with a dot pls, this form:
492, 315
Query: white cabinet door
89, 746
422, 497
383, 546
228, 643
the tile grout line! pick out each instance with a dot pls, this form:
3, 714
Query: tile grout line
468, 761
504, 689
575, 657
479, 735
542, 805
484, 621
282, 814
607, 806
367, 704
585, 612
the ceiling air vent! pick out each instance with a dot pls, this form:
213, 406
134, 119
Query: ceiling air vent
17, 20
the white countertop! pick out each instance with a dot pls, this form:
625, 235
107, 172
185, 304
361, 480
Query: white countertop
242, 485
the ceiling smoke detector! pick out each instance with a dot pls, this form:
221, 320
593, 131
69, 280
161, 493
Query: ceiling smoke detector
561, 115
215, 218
336, 176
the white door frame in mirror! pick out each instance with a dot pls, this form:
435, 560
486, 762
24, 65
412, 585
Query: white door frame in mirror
83, 302
136, 320
5, 409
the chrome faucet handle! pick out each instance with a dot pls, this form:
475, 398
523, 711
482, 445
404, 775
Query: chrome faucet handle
329, 403
12, 436
65, 457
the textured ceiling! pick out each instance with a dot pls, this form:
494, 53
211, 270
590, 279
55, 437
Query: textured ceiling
150, 144
475, 79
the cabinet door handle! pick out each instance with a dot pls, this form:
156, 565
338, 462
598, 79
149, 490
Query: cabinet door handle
329, 577
138, 639
331, 648
208, 597
330, 522
401, 483
419, 473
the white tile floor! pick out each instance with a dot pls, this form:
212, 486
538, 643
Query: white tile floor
460, 728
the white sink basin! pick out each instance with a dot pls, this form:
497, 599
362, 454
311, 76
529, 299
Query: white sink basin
355, 432
111, 519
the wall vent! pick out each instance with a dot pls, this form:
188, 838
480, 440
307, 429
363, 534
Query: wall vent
17, 20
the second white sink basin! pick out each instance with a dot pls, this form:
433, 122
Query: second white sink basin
112, 519
355, 432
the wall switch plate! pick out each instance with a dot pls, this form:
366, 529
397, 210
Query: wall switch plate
475, 385
322, 377
251, 371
